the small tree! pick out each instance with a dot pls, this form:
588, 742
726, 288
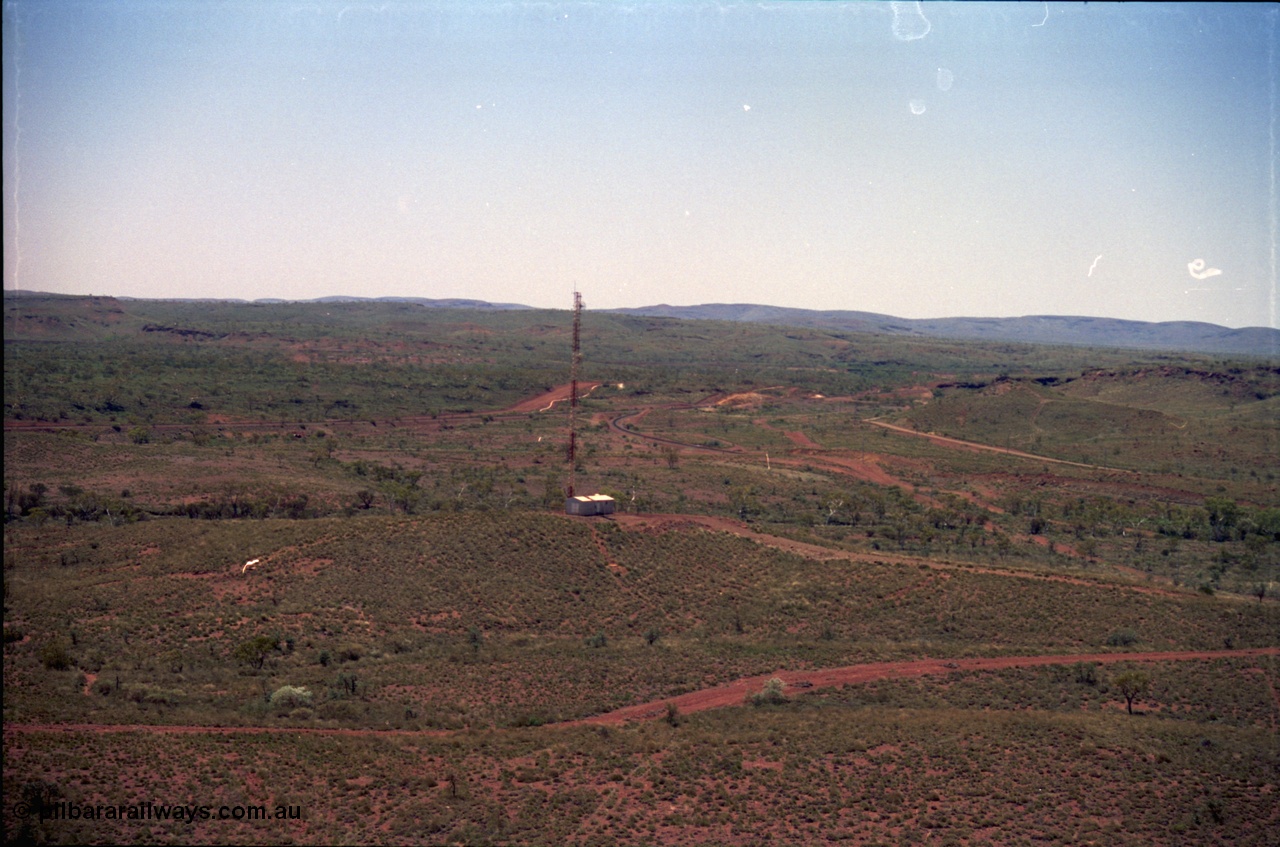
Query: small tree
347, 683
833, 504
254, 651
1131, 684
744, 501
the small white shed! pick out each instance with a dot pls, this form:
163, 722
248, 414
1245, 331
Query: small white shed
589, 504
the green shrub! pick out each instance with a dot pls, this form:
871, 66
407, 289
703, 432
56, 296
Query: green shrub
771, 695
339, 710
1122, 638
673, 714
1086, 673
152, 695
289, 697
55, 657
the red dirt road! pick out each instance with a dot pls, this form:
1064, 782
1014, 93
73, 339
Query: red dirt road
719, 697
559, 394
974, 445
735, 693
823, 554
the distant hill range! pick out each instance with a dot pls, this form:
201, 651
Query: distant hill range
1183, 336
1033, 329
482, 305
422, 301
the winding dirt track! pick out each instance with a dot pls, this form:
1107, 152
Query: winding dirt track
719, 697
736, 692
823, 554
544, 402
990, 448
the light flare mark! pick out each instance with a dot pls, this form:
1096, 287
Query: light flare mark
1198, 270
909, 22
1094, 265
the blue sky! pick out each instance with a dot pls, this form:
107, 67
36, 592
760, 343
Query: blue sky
922, 160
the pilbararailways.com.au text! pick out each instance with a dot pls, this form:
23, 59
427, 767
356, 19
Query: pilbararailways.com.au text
148, 811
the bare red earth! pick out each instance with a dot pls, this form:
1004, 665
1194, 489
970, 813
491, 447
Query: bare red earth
559, 394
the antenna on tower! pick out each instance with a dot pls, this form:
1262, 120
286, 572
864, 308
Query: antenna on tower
573, 387
590, 504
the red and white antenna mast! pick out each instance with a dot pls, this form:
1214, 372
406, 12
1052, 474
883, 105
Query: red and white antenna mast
573, 387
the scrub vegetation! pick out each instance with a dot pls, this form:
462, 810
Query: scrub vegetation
427, 650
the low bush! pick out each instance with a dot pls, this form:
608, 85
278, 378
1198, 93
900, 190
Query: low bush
152, 695
1122, 638
54, 656
290, 697
771, 695
1086, 673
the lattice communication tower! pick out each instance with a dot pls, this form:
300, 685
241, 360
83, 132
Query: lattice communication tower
573, 388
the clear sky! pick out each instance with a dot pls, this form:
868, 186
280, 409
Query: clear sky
920, 160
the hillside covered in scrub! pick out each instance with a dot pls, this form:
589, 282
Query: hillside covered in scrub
872, 588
